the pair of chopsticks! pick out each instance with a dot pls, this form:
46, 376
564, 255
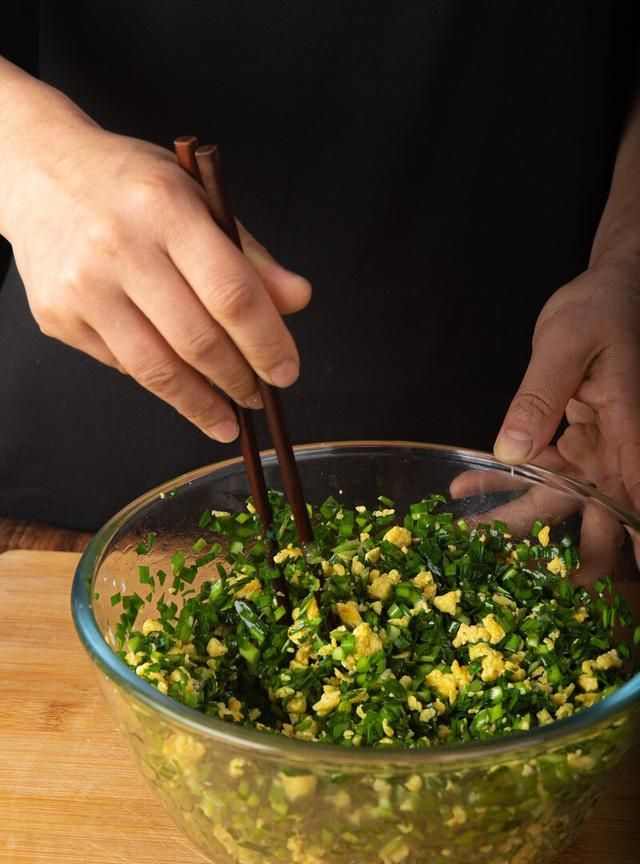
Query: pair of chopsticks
204, 165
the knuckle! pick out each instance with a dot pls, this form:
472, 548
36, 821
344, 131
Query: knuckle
200, 344
105, 235
204, 411
161, 376
232, 298
240, 383
44, 313
73, 279
274, 346
149, 190
532, 403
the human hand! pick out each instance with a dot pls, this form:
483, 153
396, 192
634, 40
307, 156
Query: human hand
121, 259
585, 362
524, 497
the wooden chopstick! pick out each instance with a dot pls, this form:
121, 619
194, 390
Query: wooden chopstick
185, 148
204, 165
208, 159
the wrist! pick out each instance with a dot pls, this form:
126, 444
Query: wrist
620, 261
37, 125
619, 271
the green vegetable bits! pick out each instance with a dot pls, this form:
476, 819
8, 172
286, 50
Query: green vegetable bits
403, 633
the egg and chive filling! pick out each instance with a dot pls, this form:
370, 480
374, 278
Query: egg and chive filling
398, 633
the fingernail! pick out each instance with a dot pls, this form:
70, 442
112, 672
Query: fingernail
225, 432
513, 446
254, 401
284, 374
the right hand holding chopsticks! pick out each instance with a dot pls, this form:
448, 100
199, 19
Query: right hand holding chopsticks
121, 259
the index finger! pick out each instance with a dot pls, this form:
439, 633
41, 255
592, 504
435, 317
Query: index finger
231, 291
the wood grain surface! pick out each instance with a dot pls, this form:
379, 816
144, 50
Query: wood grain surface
15, 534
70, 792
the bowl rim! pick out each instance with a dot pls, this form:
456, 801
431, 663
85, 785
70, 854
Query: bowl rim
279, 746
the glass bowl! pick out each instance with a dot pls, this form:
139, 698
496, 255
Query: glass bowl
249, 797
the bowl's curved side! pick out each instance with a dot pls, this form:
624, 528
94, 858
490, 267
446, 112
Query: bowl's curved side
240, 806
245, 796
351, 468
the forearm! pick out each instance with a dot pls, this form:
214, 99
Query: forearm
35, 122
617, 240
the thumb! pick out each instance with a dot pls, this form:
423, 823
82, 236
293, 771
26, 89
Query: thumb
555, 372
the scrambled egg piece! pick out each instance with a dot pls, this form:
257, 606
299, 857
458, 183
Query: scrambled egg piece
513, 666
587, 699
388, 730
414, 783
380, 586
577, 761
493, 664
581, 615
357, 567
215, 648
308, 733
445, 683
311, 612
152, 626
496, 632
425, 581
557, 565
448, 602
297, 786
373, 555
187, 751
461, 674
544, 717
254, 586
470, 633
610, 660
501, 600
233, 708
290, 551
561, 696
543, 535
298, 704
329, 700
399, 536
134, 658
236, 767
459, 816
302, 655
589, 683
368, 643
564, 711
348, 613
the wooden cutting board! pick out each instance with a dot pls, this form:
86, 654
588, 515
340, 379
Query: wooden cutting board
69, 790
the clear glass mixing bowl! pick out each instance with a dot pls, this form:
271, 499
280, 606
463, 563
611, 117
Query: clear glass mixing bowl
249, 797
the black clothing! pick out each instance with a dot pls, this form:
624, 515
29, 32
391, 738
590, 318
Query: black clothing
437, 169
